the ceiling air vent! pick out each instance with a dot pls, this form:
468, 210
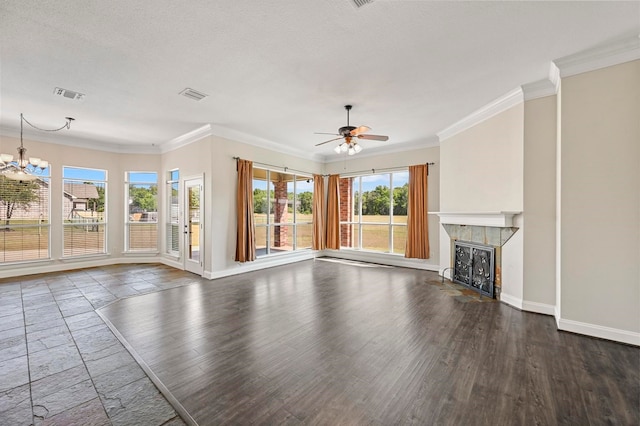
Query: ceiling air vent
193, 94
69, 94
360, 3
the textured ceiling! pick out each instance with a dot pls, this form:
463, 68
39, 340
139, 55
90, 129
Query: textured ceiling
280, 70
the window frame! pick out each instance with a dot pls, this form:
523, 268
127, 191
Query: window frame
172, 180
390, 224
128, 223
105, 213
268, 225
40, 176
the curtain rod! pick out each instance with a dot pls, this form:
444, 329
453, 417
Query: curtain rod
286, 169
325, 175
373, 171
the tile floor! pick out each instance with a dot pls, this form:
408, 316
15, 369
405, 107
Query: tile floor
61, 365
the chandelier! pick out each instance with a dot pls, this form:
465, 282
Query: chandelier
25, 168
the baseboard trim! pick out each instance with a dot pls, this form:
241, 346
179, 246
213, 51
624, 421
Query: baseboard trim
259, 264
538, 308
599, 331
70, 264
172, 263
516, 302
381, 258
592, 330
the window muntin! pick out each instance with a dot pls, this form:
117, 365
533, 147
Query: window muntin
84, 204
377, 217
283, 216
141, 224
24, 218
173, 213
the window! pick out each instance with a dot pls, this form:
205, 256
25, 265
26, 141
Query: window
282, 206
173, 224
84, 202
141, 224
24, 218
373, 212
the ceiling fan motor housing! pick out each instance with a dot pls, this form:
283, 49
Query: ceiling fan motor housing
346, 130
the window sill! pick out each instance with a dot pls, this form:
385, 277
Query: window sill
283, 253
26, 262
85, 257
140, 253
383, 253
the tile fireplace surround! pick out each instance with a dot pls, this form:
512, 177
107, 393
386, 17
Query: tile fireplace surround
488, 228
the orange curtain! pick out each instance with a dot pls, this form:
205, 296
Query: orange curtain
245, 236
317, 239
333, 213
417, 224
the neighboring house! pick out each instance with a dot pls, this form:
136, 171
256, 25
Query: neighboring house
79, 200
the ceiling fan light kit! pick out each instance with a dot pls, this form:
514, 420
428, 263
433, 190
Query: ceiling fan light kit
348, 133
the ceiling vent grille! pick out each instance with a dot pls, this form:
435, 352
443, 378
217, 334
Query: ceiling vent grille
193, 94
360, 3
69, 94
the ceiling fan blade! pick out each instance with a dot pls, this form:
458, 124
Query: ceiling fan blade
320, 133
330, 140
361, 129
374, 137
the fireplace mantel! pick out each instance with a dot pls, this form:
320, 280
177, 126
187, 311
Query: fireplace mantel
494, 219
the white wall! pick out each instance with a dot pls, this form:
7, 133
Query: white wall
364, 163
482, 166
600, 203
540, 122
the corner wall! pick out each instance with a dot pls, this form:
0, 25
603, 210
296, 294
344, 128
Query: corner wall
600, 203
539, 235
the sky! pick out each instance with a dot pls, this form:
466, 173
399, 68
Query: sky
84, 174
370, 182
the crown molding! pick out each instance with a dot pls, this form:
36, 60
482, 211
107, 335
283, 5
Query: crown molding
495, 107
554, 76
186, 139
538, 89
606, 55
77, 142
238, 136
546, 87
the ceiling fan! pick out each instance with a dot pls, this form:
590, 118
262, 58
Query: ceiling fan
349, 133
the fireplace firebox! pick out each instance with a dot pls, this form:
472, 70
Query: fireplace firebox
474, 266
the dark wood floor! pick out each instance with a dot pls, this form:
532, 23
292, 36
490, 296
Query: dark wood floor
322, 342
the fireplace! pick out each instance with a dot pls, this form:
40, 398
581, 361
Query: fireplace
485, 232
474, 266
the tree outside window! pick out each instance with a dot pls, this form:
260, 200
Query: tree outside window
283, 211
376, 216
